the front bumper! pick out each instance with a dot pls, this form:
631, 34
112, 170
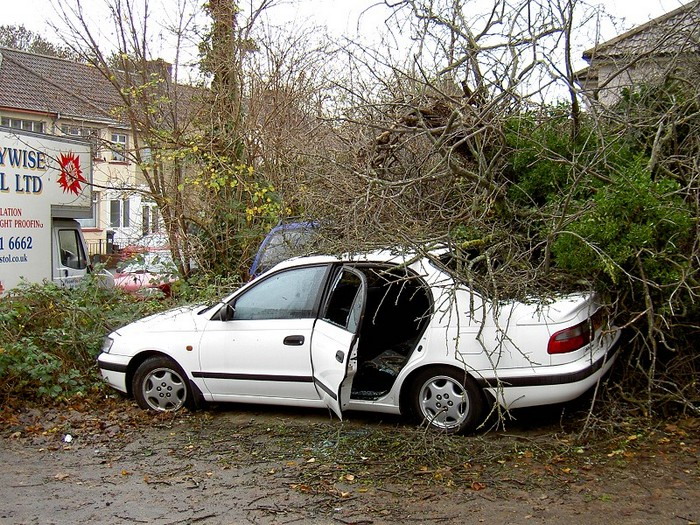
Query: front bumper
113, 369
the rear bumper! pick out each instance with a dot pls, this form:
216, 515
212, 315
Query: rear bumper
549, 385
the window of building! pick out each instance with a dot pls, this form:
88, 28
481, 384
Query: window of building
119, 147
27, 125
92, 134
150, 219
93, 221
119, 213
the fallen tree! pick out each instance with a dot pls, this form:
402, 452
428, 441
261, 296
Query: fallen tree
453, 147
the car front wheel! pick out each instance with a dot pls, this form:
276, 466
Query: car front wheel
446, 399
160, 385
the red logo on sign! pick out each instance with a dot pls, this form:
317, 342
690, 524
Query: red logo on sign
71, 178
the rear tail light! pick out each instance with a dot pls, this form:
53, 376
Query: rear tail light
575, 337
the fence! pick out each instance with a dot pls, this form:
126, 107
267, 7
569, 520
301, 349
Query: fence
100, 247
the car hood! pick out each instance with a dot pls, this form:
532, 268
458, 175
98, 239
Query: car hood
182, 319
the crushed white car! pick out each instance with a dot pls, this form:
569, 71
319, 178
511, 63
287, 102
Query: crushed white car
378, 332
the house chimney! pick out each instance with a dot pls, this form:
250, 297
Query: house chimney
161, 68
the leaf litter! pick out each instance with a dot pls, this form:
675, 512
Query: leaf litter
364, 464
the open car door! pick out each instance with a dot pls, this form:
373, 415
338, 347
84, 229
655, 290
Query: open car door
336, 336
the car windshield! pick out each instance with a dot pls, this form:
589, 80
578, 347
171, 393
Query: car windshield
151, 262
283, 245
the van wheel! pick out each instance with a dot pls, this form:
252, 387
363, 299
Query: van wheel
446, 399
159, 384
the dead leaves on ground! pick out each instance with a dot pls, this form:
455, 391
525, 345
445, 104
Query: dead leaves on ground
79, 422
345, 462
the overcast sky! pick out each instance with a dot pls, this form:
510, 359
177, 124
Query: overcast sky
343, 16
338, 15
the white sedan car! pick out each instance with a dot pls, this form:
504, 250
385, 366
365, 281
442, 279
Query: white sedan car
378, 332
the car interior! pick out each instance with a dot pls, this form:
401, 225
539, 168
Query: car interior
397, 313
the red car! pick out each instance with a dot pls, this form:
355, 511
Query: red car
147, 274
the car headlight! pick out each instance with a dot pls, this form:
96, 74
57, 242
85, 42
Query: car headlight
107, 344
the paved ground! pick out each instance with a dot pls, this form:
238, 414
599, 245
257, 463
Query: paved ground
251, 465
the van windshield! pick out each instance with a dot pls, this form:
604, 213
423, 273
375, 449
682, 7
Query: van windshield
71, 249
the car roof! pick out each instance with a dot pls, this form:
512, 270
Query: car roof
378, 256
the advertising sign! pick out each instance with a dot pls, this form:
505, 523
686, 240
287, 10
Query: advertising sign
41, 176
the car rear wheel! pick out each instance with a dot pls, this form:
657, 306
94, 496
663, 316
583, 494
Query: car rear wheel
446, 399
159, 384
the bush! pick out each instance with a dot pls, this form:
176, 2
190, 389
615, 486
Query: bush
633, 225
52, 335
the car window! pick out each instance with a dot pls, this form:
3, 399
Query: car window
71, 249
291, 294
344, 304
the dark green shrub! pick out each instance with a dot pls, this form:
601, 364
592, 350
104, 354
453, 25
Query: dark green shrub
52, 335
633, 225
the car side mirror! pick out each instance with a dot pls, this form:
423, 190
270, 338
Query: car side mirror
226, 312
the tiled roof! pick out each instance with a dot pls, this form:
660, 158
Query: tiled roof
671, 33
56, 86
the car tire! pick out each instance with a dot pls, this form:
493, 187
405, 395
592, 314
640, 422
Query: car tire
160, 385
446, 399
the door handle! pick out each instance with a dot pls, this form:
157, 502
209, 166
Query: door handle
294, 340
339, 356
